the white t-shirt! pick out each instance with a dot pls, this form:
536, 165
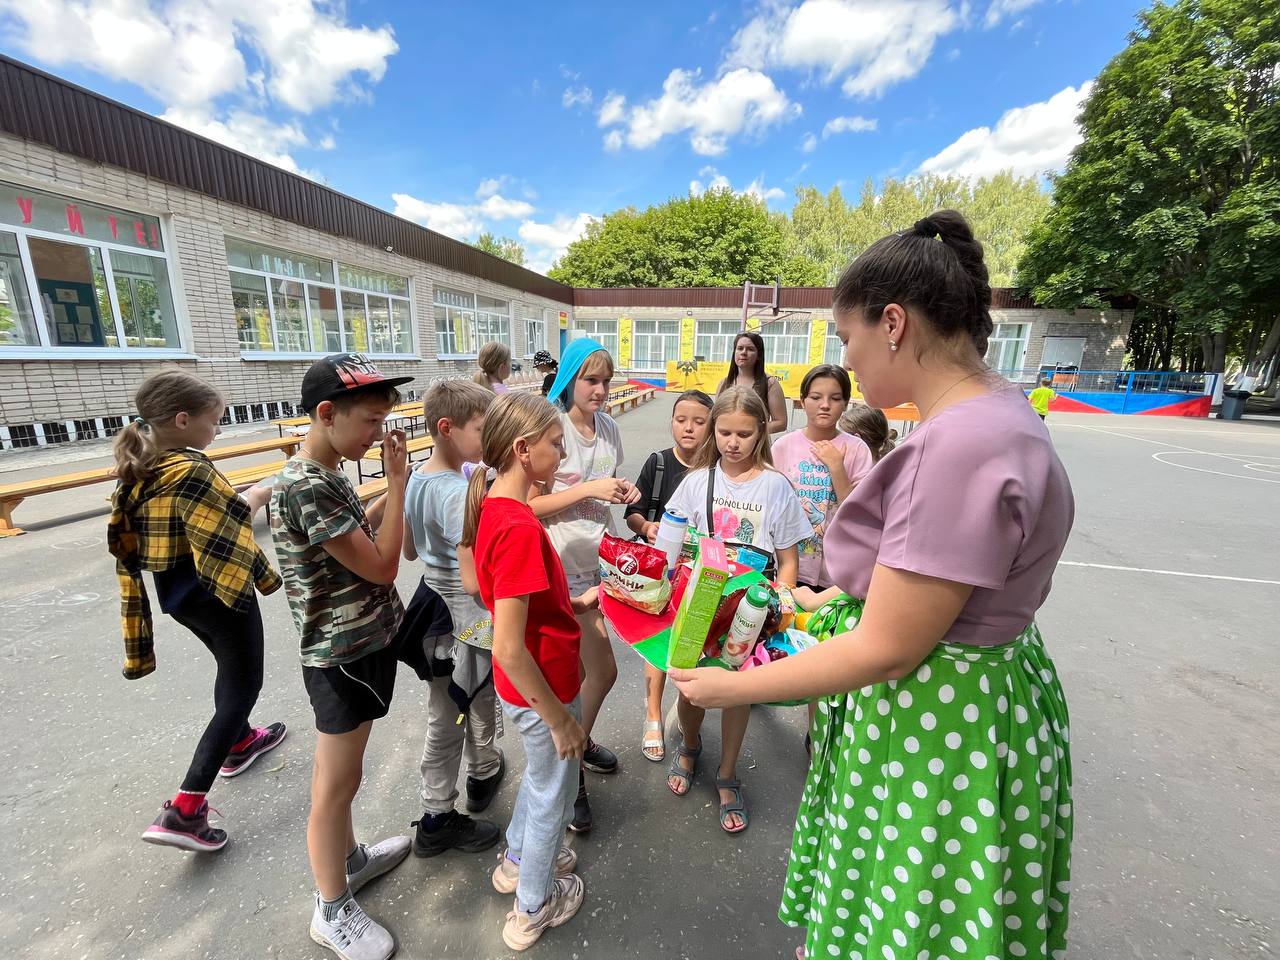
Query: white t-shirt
764, 512
576, 531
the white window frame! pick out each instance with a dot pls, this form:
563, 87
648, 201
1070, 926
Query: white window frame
795, 344
665, 356
503, 320
46, 348
720, 336
535, 333
347, 343
831, 346
1023, 339
608, 338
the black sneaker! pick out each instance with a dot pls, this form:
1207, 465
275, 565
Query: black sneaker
581, 822
265, 740
599, 759
458, 832
480, 793
172, 829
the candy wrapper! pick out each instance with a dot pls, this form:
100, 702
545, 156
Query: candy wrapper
635, 574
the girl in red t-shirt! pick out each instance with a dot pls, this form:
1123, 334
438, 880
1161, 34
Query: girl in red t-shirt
518, 576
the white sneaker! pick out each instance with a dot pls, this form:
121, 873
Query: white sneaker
354, 935
382, 857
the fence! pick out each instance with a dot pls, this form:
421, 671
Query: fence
1123, 391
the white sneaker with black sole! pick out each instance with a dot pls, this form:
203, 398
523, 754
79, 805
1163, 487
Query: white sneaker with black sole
353, 934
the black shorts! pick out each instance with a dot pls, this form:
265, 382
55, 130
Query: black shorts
345, 696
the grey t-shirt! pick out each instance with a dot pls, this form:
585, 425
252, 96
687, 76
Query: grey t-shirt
434, 506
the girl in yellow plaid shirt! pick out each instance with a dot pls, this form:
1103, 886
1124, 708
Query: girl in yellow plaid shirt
174, 514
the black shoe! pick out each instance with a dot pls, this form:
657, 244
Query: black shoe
599, 759
480, 793
457, 832
581, 822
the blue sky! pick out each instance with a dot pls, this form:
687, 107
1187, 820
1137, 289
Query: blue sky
528, 119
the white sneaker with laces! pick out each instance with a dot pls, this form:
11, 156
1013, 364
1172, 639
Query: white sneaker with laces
353, 934
380, 857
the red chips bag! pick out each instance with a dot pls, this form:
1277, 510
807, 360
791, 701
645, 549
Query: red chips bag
635, 574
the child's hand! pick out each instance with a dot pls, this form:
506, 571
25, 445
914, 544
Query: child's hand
395, 457
831, 456
569, 737
805, 598
630, 492
608, 489
650, 531
708, 686
585, 602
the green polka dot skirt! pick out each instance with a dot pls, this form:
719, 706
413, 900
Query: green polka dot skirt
936, 821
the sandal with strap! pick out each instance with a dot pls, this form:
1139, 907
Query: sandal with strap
679, 772
736, 805
653, 744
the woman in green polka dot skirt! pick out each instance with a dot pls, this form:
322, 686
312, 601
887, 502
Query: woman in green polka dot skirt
936, 819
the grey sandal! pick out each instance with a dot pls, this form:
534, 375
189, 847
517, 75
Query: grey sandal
736, 805
679, 772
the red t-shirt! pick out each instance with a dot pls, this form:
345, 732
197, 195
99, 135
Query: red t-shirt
514, 558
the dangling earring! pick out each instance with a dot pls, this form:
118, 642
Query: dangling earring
893, 346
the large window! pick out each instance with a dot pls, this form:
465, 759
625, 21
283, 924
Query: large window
1007, 346
786, 341
455, 323
833, 350
493, 321
654, 343
715, 339
604, 332
82, 275
535, 331
288, 302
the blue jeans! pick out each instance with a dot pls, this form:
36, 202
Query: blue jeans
544, 804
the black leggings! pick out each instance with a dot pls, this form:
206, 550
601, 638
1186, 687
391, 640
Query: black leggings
235, 640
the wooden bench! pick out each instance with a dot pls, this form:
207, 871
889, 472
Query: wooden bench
374, 455
12, 494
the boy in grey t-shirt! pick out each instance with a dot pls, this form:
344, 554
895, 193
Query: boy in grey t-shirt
461, 663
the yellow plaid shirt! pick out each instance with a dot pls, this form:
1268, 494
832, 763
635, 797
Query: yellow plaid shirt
188, 509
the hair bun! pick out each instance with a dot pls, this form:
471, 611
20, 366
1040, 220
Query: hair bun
926, 227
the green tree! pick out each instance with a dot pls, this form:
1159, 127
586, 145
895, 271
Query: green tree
1172, 197
831, 231
717, 239
503, 247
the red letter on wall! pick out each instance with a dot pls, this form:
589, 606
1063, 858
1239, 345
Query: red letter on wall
75, 222
139, 232
112, 222
25, 204
155, 237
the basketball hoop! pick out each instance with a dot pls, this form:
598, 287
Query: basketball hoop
762, 301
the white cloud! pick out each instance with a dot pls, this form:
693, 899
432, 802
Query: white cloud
497, 207
612, 110
263, 59
847, 125
743, 101
576, 97
1028, 140
459, 220
1000, 9
546, 242
709, 178
809, 143
463, 221
872, 44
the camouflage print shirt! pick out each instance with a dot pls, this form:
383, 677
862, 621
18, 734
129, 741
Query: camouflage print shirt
340, 615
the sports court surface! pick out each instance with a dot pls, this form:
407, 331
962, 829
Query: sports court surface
1164, 620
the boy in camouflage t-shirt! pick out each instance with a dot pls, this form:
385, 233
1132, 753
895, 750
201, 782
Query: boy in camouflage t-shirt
340, 581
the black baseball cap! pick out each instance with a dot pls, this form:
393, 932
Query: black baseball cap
543, 358
341, 373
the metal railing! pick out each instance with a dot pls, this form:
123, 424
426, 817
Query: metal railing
1073, 380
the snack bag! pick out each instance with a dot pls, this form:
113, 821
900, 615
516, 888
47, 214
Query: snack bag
635, 574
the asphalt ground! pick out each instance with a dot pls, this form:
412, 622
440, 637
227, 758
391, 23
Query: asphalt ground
1171, 677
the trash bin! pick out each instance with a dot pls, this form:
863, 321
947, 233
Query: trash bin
1233, 403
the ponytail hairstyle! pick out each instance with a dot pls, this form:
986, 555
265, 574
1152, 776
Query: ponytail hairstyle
761, 384
160, 398
491, 359
736, 400
871, 426
513, 416
935, 268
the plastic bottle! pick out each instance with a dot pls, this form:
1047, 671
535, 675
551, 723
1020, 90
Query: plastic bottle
744, 630
670, 538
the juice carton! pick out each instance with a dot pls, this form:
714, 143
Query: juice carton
699, 604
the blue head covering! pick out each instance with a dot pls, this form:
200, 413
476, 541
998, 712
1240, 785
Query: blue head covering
571, 361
